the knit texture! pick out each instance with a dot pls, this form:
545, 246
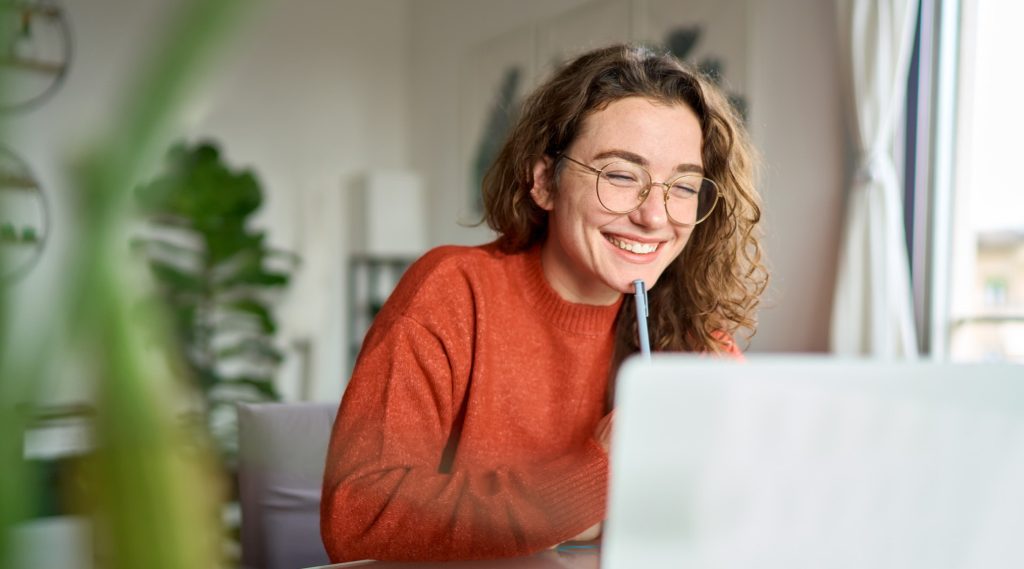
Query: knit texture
466, 431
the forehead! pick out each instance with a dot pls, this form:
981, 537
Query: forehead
660, 132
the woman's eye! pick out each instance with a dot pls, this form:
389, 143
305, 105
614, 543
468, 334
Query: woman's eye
684, 189
622, 177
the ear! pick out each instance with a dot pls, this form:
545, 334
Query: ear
541, 192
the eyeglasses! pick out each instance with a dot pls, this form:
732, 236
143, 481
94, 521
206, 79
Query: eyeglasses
622, 187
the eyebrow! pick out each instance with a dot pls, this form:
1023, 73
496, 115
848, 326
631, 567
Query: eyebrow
637, 159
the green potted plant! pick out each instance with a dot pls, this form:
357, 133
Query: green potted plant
219, 278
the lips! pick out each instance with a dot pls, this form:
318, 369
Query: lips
636, 247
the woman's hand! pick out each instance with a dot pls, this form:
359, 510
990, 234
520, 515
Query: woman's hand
603, 432
589, 534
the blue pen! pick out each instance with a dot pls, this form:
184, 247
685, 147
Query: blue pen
642, 311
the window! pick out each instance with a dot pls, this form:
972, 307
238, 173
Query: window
984, 300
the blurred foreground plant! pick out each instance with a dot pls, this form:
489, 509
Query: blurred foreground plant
153, 492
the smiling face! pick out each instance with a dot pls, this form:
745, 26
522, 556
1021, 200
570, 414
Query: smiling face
591, 255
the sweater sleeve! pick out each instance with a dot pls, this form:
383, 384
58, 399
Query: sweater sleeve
385, 495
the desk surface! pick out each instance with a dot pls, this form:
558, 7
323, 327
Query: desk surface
562, 558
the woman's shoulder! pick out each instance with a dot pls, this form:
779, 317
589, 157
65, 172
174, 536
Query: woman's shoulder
450, 275
456, 257
454, 261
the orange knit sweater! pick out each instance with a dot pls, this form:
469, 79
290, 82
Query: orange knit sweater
466, 430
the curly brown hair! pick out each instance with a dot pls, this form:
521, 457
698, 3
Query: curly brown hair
714, 286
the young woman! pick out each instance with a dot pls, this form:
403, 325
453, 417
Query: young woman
476, 421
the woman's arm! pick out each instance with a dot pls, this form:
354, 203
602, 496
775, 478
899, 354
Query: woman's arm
603, 437
384, 494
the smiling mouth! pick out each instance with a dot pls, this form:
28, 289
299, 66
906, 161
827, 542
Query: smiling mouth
632, 246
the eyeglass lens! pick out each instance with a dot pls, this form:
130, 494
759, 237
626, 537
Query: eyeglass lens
621, 189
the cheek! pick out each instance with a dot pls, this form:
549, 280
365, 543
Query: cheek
683, 237
583, 213
682, 240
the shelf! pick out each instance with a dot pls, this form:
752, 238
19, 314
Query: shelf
43, 10
18, 183
39, 66
371, 279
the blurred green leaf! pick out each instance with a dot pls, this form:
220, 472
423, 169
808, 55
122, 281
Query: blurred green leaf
258, 277
262, 385
258, 310
252, 348
154, 495
156, 247
176, 278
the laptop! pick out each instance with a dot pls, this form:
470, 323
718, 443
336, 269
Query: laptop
793, 462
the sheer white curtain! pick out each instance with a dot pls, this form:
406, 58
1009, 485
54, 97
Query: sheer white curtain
872, 312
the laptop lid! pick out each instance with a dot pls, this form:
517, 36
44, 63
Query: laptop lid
802, 462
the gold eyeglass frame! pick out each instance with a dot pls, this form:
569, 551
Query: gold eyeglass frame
646, 192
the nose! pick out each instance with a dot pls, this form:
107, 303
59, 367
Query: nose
651, 212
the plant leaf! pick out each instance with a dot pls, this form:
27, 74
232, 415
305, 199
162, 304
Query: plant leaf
264, 386
254, 347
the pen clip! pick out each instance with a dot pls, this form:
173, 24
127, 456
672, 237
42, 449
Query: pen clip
640, 291
642, 311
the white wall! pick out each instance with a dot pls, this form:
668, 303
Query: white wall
441, 40
796, 121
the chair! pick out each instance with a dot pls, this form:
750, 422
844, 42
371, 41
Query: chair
282, 448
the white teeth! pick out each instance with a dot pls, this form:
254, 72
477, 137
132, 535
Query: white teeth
640, 248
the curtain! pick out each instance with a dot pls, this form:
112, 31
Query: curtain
872, 312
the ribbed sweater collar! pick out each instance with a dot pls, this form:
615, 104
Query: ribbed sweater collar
569, 316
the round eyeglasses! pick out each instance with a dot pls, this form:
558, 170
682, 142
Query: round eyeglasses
622, 187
